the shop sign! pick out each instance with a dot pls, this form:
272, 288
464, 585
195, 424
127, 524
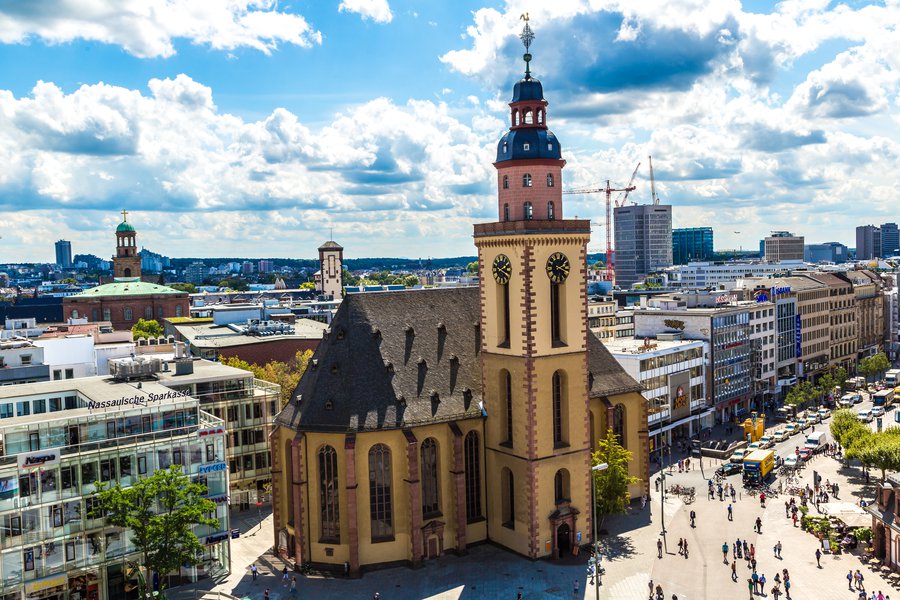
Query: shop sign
726, 298
798, 334
219, 499
219, 466
210, 431
214, 539
136, 400
761, 296
41, 458
45, 584
235, 534
680, 398
781, 290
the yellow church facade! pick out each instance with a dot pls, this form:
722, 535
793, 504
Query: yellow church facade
431, 420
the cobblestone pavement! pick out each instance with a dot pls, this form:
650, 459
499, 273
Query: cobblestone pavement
629, 554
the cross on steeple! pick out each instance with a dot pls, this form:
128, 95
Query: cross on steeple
124, 215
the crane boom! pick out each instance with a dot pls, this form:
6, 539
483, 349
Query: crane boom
653, 195
628, 187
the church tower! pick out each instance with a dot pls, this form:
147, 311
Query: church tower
532, 267
330, 278
127, 261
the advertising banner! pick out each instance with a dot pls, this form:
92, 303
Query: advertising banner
680, 394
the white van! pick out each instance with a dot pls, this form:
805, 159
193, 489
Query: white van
865, 415
814, 440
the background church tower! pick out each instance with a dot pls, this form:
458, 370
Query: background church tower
330, 281
127, 261
532, 267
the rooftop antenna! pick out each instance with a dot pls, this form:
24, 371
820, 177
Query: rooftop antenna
527, 36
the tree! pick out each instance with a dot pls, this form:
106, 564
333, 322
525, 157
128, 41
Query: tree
410, 281
234, 283
800, 394
880, 364
472, 268
840, 377
307, 285
285, 374
160, 512
146, 329
878, 450
611, 484
349, 278
190, 288
842, 421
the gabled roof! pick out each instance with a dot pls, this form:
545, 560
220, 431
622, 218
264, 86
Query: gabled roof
400, 359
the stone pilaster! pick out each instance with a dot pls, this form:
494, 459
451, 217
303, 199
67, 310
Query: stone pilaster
415, 496
352, 505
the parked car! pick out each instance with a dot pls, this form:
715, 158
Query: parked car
790, 462
815, 418
791, 428
766, 441
805, 454
753, 446
824, 413
779, 436
877, 411
728, 468
738, 456
865, 415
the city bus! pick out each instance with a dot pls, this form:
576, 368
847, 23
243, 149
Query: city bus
883, 398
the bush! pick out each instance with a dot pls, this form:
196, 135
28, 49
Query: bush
863, 534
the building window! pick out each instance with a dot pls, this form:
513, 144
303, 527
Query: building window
380, 509
526, 180
504, 317
506, 212
473, 476
551, 213
330, 520
506, 393
107, 316
526, 146
561, 486
618, 423
559, 409
127, 314
178, 311
148, 312
70, 374
431, 505
506, 182
549, 179
529, 211
528, 116
74, 314
508, 491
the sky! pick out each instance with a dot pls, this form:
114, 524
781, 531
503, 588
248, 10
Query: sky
256, 128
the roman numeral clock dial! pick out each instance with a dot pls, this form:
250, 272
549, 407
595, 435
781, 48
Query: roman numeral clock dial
502, 269
558, 267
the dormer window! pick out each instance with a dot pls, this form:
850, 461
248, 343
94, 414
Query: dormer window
505, 148
526, 146
549, 147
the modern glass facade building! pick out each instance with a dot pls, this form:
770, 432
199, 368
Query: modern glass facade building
691, 244
58, 439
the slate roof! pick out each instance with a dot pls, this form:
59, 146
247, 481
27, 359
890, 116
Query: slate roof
401, 359
128, 286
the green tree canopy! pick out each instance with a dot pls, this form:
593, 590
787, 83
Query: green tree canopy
876, 364
307, 285
802, 393
349, 278
146, 329
472, 268
190, 288
841, 422
611, 484
234, 283
285, 374
160, 512
410, 281
878, 450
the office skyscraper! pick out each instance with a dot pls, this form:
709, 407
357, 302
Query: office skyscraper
692, 244
868, 242
643, 241
890, 239
783, 245
64, 254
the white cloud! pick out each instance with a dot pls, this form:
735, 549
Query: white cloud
148, 28
377, 10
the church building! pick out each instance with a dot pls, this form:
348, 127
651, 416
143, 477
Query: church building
430, 420
127, 298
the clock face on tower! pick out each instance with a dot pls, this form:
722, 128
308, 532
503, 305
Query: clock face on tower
558, 267
502, 269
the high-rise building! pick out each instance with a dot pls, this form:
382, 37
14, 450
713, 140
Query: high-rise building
834, 252
868, 242
265, 266
783, 245
64, 254
195, 272
890, 239
643, 241
691, 244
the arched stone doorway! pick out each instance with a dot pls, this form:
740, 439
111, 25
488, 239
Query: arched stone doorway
564, 539
880, 541
562, 524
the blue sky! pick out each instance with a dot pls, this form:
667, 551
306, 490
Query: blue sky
253, 127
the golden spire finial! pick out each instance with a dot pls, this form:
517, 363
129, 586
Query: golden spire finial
527, 36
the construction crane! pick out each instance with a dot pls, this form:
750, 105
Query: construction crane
653, 195
608, 190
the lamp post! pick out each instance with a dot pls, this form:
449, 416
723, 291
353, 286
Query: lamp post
594, 469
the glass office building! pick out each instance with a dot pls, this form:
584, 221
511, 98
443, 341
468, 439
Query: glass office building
56, 440
692, 244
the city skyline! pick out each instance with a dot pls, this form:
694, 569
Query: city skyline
254, 130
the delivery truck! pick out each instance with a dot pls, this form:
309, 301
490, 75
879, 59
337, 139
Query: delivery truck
758, 466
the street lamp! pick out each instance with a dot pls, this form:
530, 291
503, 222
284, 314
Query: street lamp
594, 469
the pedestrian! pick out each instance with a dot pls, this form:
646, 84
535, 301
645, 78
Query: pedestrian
787, 509
575, 589
730, 516
834, 490
733, 570
750, 587
818, 558
693, 516
285, 578
659, 548
294, 586
762, 499
762, 584
778, 547
733, 494
649, 585
254, 571
777, 579
752, 552
794, 517
758, 525
266, 595
680, 546
725, 552
755, 579
753, 564
687, 464
659, 592
787, 589
746, 551
776, 592
685, 548
850, 579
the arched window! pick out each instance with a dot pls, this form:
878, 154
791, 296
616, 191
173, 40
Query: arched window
288, 481
107, 316
380, 502
506, 398
551, 213
330, 518
528, 116
549, 179
540, 116
559, 408
506, 182
561, 486
431, 504
148, 312
556, 324
526, 180
74, 313
515, 117
127, 314
618, 423
508, 500
126, 272
506, 212
473, 476
529, 211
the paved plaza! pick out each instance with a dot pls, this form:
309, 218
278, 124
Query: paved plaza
629, 554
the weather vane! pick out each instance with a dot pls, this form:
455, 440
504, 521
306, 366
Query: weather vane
527, 36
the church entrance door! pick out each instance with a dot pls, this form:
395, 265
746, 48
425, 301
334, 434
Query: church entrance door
564, 539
